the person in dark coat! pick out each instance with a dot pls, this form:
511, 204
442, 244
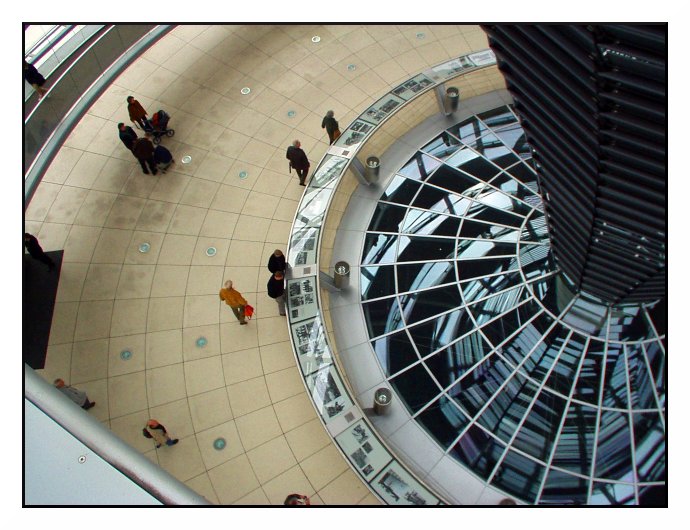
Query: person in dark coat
331, 125
35, 79
142, 149
137, 113
36, 252
298, 160
127, 135
162, 157
277, 261
276, 290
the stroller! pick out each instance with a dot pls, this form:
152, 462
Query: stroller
157, 126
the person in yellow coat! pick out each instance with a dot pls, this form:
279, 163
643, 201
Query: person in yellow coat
235, 300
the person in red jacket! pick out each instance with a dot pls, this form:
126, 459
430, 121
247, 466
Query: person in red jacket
137, 113
142, 149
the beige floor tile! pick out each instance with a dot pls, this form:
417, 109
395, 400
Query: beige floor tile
201, 310
65, 206
187, 220
244, 279
205, 134
234, 337
129, 428
165, 313
134, 254
63, 325
260, 205
233, 479
204, 280
95, 209
271, 183
62, 165
246, 253
231, 142
223, 112
169, 280
176, 417
248, 396
284, 384
177, 249
279, 232
125, 212
201, 256
272, 330
306, 439
323, 467
97, 392
285, 211
214, 457
210, 409
199, 193
156, 216
257, 427
370, 500
241, 366
86, 170
127, 394
218, 224
347, 489
170, 188
136, 345
165, 384
291, 481
203, 375
294, 411
242, 175
129, 317
181, 150
277, 356
135, 281
58, 360
80, 243
101, 282
183, 461
271, 459
202, 485
214, 168
255, 498
192, 349
93, 320
112, 246
72, 277
163, 348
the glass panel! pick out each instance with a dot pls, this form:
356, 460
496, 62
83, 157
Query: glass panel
480, 385
376, 282
437, 199
476, 229
382, 316
443, 146
415, 276
426, 304
576, 442
478, 451
514, 137
417, 248
472, 162
653, 495
657, 364
433, 335
387, 218
400, 190
614, 458
495, 305
415, 387
641, 386
379, 248
497, 117
564, 489
523, 173
629, 324
443, 420
544, 354
511, 186
604, 493
519, 347
587, 316
448, 365
451, 179
477, 268
615, 378
537, 435
419, 167
535, 229
482, 212
468, 130
519, 475
489, 285
479, 248
490, 147
589, 380
394, 352
650, 447
425, 222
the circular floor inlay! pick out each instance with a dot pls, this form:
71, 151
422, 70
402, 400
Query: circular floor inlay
246, 90
144, 248
186, 159
420, 35
219, 444
211, 251
125, 355
243, 174
291, 113
351, 67
201, 342
316, 39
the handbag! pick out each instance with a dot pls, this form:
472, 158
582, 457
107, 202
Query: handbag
248, 311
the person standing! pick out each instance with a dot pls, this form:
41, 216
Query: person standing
35, 79
36, 252
78, 396
127, 135
235, 300
162, 157
276, 290
158, 432
142, 149
137, 113
331, 125
277, 261
298, 160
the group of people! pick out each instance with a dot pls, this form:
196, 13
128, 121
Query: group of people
275, 288
156, 158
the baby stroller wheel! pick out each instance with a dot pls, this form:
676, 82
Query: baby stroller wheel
156, 140
170, 132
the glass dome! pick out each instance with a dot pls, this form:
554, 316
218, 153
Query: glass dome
543, 392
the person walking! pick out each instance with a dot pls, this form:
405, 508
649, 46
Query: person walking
127, 135
35, 79
78, 396
298, 160
137, 113
158, 432
142, 149
276, 290
162, 158
331, 125
36, 252
235, 300
277, 261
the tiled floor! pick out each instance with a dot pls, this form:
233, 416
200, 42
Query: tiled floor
96, 203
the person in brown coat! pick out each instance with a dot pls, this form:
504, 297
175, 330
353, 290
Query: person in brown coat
235, 300
142, 149
137, 113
